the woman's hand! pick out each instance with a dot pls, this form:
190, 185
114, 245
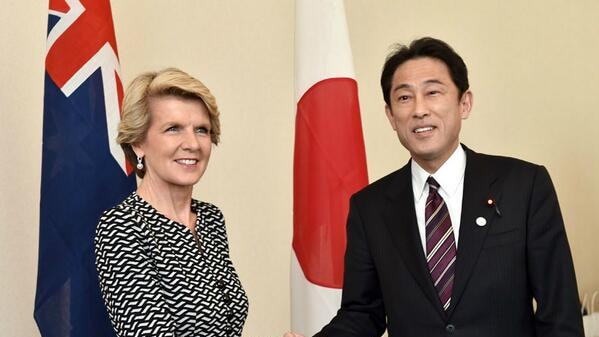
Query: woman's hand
292, 334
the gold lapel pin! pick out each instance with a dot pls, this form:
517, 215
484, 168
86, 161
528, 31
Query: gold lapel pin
492, 203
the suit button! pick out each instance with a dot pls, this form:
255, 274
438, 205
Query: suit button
220, 284
450, 328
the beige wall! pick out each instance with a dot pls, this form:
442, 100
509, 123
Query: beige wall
534, 74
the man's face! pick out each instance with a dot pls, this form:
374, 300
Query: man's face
426, 112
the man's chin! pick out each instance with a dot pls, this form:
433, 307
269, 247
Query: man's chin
424, 153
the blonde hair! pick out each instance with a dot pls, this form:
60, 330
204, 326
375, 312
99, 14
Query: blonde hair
136, 114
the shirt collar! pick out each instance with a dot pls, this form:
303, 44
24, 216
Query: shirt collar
449, 175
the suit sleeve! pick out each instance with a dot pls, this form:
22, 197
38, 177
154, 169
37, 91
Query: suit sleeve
128, 281
362, 313
550, 265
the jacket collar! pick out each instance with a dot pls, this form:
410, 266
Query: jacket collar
400, 217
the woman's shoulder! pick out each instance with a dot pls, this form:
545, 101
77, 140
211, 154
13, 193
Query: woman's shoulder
205, 207
210, 214
124, 216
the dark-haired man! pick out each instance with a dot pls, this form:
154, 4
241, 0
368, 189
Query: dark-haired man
455, 243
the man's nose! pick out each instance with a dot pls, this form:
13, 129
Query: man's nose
420, 107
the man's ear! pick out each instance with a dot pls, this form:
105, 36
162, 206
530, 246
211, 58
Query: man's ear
389, 114
466, 104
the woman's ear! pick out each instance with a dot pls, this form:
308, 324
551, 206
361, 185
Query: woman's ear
138, 149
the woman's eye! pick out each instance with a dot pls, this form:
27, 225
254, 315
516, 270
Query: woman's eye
202, 130
173, 128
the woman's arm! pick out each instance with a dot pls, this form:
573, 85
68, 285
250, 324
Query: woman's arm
128, 280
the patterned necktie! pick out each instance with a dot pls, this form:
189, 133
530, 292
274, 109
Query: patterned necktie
440, 243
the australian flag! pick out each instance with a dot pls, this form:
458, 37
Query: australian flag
83, 169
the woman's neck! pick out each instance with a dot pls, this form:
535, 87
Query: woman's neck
172, 201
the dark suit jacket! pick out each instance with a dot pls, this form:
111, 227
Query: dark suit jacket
520, 254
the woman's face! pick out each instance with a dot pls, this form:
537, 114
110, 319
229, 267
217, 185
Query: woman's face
177, 145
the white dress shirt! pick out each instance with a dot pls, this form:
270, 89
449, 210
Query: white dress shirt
450, 177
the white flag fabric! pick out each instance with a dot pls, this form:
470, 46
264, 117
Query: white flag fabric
329, 160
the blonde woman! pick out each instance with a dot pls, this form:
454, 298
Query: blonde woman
162, 256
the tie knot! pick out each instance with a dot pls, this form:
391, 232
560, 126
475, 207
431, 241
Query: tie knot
432, 183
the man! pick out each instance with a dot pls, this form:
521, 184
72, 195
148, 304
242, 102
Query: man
456, 242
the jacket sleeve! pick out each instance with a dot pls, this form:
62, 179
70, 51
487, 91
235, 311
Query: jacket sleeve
550, 265
128, 279
362, 313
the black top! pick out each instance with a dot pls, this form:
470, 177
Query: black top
158, 280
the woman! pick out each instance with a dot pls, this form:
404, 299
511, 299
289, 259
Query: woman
163, 257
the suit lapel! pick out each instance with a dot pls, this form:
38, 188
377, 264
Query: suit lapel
480, 184
400, 218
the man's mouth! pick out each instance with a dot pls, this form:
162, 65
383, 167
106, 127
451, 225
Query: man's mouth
424, 129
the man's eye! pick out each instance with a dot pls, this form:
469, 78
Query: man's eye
403, 98
433, 92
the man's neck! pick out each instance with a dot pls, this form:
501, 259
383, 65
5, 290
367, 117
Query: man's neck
433, 165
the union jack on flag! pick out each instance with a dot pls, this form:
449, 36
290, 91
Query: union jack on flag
83, 169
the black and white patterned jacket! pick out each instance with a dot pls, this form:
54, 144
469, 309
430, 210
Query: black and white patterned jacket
157, 280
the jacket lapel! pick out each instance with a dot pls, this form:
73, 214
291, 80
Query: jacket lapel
400, 218
480, 184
